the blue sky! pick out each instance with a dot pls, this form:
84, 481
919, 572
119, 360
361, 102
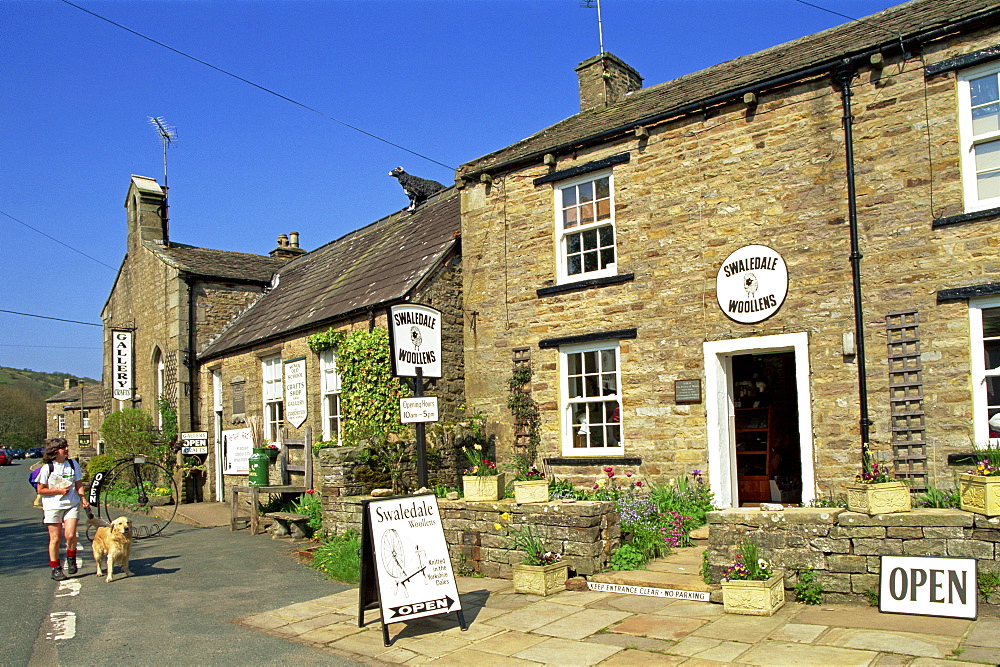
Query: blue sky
448, 79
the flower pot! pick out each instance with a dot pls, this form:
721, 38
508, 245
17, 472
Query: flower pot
484, 487
531, 491
272, 454
754, 598
881, 498
980, 493
540, 579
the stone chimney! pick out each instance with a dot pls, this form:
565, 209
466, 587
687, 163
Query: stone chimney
604, 80
288, 247
69, 383
145, 204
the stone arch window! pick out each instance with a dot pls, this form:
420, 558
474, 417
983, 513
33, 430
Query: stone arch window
159, 382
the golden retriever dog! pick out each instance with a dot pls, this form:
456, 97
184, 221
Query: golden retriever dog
115, 543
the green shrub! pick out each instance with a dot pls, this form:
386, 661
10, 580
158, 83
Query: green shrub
627, 557
807, 589
309, 503
100, 463
689, 497
132, 431
988, 583
339, 557
939, 498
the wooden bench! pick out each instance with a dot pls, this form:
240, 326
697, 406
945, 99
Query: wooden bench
288, 524
295, 478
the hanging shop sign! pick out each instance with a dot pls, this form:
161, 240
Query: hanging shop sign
194, 442
237, 445
752, 284
296, 409
928, 585
405, 565
121, 363
415, 340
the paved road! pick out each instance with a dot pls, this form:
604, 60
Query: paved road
187, 586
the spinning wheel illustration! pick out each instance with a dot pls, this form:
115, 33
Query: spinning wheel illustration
393, 555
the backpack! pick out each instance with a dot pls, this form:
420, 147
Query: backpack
33, 475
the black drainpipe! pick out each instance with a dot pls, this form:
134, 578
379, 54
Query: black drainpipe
189, 359
843, 76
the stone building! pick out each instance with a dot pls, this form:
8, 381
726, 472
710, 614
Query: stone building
168, 300
345, 285
76, 413
719, 273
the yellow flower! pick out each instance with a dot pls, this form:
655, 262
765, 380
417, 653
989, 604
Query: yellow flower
497, 526
505, 516
478, 448
475, 469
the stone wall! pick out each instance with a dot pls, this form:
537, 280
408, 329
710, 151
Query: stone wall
844, 548
586, 533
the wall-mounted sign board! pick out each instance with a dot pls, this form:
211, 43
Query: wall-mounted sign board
687, 391
194, 442
405, 565
752, 283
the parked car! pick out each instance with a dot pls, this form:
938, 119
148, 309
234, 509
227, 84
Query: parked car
18, 453
36, 452
5, 458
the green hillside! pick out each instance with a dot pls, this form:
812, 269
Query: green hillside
42, 384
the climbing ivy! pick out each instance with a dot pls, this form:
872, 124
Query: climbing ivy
369, 394
524, 408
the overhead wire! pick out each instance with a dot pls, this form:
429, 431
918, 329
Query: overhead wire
52, 238
46, 317
256, 85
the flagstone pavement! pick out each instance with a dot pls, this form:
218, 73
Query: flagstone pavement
599, 628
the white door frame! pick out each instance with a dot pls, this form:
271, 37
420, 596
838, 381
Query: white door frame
220, 485
720, 414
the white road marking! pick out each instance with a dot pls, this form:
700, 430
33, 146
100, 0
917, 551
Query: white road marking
63, 625
68, 588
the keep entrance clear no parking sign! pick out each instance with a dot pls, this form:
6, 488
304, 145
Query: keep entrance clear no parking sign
405, 565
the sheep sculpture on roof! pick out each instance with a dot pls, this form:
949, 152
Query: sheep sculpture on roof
417, 189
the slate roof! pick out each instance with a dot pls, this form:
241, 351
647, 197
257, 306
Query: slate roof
71, 396
873, 32
373, 266
223, 264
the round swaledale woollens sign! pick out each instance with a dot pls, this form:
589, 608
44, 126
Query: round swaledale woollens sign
752, 284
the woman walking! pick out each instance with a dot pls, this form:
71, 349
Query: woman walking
60, 484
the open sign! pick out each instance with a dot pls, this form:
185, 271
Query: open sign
928, 585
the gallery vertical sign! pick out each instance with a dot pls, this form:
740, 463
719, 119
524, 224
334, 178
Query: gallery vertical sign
121, 365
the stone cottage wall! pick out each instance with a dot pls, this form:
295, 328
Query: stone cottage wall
844, 548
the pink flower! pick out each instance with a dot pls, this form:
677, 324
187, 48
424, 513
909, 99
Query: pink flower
638, 482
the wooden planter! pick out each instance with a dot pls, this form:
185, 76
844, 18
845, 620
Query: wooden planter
540, 579
754, 598
980, 493
531, 491
485, 487
882, 498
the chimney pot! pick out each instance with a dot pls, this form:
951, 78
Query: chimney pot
282, 240
294, 239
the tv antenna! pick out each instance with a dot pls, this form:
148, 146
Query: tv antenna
590, 4
168, 135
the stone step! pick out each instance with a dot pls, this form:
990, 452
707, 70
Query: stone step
654, 579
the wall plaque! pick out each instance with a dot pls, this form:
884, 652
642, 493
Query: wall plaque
751, 284
687, 391
239, 396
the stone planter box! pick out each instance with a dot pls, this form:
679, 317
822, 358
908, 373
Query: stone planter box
754, 598
980, 493
485, 487
540, 579
531, 491
882, 498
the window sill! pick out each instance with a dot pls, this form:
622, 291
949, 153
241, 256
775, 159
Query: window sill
593, 460
585, 284
965, 217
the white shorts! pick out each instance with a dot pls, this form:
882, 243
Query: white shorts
57, 516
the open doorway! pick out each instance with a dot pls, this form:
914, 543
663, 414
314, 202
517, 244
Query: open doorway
782, 364
765, 432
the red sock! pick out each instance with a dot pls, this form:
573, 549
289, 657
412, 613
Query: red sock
71, 554
53, 563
